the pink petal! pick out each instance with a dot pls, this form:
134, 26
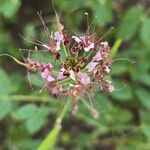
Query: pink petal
46, 46
85, 81
97, 57
89, 47
72, 75
58, 36
57, 46
77, 39
107, 69
84, 78
50, 78
45, 73
91, 66
60, 76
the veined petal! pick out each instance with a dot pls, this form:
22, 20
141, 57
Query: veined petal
97, 57
89, 47
91, 66
58, 36
77, 39
50, 78
45, 73
84, 78
72, 75
57, 46
107, 69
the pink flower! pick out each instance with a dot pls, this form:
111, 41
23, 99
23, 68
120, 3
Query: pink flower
84, 78
46, 75
50, 78
77, 39
58, 36
90, 46
72, 75
57, 46
61, 74
91, 66
106, 68
86, 41
97, 57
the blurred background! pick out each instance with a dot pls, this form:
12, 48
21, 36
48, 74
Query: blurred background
26, 116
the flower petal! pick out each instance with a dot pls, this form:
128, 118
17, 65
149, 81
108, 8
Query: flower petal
91, 66
77, 39
58, 36
97, 57
72, 75
50, 78
89, 47
45, 73
84, 78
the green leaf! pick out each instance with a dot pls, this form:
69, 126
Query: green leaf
27, 111
9, 7
146, 130
5, 108
129, 23
5, 83
36, 80
125, 92
103, 12
144, 96
145, 31
35, 123
119, 68
29, 30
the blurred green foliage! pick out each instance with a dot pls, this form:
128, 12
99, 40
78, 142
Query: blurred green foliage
27, 116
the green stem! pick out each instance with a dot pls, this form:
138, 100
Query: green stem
66, 53
25, 98
50, 140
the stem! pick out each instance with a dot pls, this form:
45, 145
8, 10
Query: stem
64, 47
50, 140
25, 98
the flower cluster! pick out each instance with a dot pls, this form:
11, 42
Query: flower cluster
85, 66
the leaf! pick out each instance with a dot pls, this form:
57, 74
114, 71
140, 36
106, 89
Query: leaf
146, 130
27, 144
36, 79
29, 30
5, 83
144, 97
27, 111
125, 92
35, 123
5, 108
144, 31
129, 23
9, 7
119, 68
103, 12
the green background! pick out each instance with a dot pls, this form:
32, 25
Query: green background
26, 116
